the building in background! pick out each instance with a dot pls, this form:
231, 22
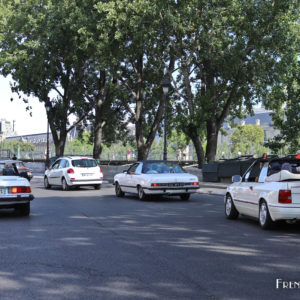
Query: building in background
7, 129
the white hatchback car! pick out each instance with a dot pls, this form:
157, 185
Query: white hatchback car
74, 171
152, 177
268, 191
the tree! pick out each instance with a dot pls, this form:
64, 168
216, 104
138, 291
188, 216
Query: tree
39, 50
283, 99
226, 52
16, 146
139, 53
247, 137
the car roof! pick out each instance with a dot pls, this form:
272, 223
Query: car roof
73, 157
10, 161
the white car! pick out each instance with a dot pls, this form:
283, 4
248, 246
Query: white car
147, 178
268, 191
15, 190
74, 171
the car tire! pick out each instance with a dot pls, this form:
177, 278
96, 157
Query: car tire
23, 209
230, 210
141, 193
264, 217
118, 190
46, 183
65, 185
185, 197
97, 186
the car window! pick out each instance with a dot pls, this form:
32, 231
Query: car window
8, 170
132, 169
162, 167
84, 163
56, 165
253, 173
138, 170
264, 172
62, 164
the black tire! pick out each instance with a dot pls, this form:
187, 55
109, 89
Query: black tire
230, 210
185, 197
118, 190
23, 209
141, 193
46, 183
65, 186
97, 186
264, 217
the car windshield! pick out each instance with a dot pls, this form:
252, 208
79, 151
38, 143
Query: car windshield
84, 163
7, 170
162, 167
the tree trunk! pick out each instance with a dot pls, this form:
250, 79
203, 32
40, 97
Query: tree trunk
199, 150
60, 146
98, 130
212, 140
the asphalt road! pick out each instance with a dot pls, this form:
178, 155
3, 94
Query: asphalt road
88, 244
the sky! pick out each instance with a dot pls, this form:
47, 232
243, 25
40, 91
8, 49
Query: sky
16, 110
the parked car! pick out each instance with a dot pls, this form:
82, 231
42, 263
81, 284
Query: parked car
147, 178
73, 171
15, 190
268, 191
22, 168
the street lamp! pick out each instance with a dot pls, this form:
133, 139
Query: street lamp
47, 150
165, 83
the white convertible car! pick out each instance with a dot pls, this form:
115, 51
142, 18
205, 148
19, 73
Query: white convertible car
147, 178
15, 191
268, 191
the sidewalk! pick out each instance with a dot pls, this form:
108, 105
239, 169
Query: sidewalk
212, 188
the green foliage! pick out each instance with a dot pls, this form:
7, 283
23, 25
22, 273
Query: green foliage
16, 146
247, 138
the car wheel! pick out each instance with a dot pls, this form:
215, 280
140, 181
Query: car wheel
97, 186
185, 197
23, 209
46, 183
119, 192
65, 185
230, 210
265, 220
141, 193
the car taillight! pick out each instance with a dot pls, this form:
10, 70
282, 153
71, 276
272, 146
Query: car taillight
195, 183
154, 184
20, 189
285, 196
70, 171
100, 169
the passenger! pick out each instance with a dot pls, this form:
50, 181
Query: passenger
286, 166
275, 168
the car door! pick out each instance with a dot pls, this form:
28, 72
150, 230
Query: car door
136, 177
52, 175
60, 171
244, 190
127, 183
251, 189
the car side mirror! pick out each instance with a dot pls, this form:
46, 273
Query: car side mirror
236, 178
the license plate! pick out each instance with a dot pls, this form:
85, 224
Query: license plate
3, 191
87, 174
175, 191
